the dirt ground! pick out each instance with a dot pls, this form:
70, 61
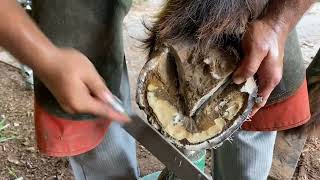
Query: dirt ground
309, 164
19, 156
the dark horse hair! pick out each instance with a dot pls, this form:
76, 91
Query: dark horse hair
203, 22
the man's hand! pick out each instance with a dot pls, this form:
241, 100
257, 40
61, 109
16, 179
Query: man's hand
263, 48
76, 84
263, 45
67, 73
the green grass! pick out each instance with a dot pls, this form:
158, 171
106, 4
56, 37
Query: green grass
13, 174
3, 136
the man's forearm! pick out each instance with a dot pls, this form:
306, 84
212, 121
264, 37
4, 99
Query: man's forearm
20, 36
283, 15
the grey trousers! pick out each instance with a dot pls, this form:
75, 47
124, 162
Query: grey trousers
113, 159
248, 157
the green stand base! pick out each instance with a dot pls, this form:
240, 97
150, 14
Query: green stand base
198, 158
153, 176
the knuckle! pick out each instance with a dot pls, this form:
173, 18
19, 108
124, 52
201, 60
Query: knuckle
78, 109
262, 47
74, 107
68, 109
274, 56
249, 71
275, 80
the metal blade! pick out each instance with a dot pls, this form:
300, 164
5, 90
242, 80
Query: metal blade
167, 153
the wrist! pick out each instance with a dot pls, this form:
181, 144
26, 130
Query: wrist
44, 59
277, 30
279, 26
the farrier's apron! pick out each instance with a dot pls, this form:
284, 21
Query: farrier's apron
288, 104
94, 28
313, 77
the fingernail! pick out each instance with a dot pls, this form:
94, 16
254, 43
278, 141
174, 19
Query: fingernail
117, 107
238, 80
108, 97
115, 103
